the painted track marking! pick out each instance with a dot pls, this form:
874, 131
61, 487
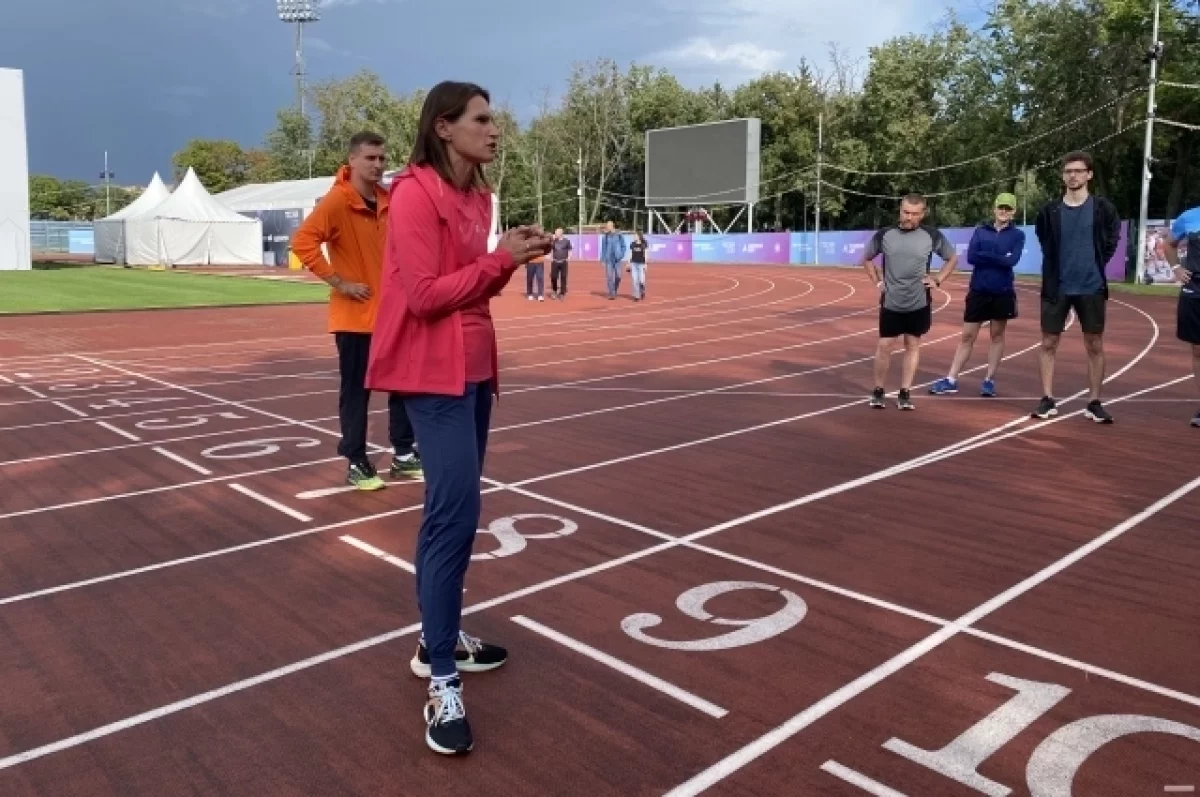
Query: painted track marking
637, 674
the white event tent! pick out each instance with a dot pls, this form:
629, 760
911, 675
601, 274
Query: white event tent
110, 231
191, 228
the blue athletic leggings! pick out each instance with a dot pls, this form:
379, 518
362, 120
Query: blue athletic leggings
453, 431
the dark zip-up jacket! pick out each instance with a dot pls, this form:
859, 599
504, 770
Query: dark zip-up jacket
1106, 232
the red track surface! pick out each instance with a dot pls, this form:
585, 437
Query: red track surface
180, 615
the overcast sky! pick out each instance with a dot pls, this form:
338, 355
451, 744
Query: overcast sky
141, 77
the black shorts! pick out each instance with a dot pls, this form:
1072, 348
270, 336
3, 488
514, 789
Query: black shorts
893, 324
1187, 325
1090, 309
984, 307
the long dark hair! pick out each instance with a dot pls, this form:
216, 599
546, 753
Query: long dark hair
447, 100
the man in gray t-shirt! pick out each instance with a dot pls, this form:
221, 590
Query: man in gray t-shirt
904, 306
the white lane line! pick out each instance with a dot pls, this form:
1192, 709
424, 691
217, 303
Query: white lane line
5, 379
187, 463
32, 392
325, 492
271, 502
68, 408
769, 741
119, 431
384, 555
639, 675
869, 785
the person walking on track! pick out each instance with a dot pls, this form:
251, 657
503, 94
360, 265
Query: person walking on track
535, 273
1186, 229
560, 254
994, 252
351, 221
612, 252
1078, 233
905, 301
637, 266
436, 345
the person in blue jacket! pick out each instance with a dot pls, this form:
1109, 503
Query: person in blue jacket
1185, 231
612, 252
994, 252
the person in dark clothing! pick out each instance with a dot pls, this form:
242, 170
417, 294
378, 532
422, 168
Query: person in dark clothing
994, 251
1078, 234
637, 266
560, 253
1185, 231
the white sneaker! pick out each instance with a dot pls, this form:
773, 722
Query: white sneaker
541, 298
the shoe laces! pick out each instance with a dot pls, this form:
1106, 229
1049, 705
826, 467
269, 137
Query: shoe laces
472, 644
446, 701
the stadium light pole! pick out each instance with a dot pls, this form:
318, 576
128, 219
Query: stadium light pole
1154, 53
579, 163
298, 12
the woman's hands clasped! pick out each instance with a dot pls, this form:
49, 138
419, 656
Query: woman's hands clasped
525, 243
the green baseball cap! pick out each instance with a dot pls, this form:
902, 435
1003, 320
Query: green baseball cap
1007, 200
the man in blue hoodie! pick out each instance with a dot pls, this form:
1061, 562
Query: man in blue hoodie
994, 251
612, 252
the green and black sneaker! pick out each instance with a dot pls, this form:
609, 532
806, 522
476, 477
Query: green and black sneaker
407, 467
363, 476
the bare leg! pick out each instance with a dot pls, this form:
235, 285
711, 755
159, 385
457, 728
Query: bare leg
912, 354
1095, 352
1046, 360
965, 346
996, 351
883, 360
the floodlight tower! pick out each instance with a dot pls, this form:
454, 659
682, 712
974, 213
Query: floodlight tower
299, 12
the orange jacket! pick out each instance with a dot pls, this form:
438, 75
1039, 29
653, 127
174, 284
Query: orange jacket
354, 237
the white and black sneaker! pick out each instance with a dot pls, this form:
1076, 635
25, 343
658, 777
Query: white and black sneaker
471, 655
877, 399
904, 400
1046, 408
446, 728
1196, 420
1095, 412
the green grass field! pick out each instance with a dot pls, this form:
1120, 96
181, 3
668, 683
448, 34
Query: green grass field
98, 288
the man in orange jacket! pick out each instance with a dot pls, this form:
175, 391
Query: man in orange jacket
351, 221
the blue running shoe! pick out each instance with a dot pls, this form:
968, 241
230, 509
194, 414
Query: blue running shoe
943, 386
989, 388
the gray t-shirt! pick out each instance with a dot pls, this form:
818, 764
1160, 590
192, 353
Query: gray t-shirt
560, 249
1078, 273
907, 255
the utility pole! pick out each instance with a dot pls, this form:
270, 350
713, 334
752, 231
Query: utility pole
820, 154
107, 175
579, 189
1153, 55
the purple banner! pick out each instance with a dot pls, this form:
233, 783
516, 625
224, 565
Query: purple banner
841, 248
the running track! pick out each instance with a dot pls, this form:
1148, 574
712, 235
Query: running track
716, 570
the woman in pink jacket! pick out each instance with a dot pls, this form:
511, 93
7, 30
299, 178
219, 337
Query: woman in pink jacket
435, 344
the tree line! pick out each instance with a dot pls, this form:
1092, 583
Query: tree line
958, 114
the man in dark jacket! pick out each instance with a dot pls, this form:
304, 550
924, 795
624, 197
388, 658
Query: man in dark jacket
994, 252
1078, 233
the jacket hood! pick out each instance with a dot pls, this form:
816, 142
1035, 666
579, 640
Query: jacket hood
441, 192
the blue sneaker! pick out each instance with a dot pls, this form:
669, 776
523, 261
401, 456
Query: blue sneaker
989, 388
943, 386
